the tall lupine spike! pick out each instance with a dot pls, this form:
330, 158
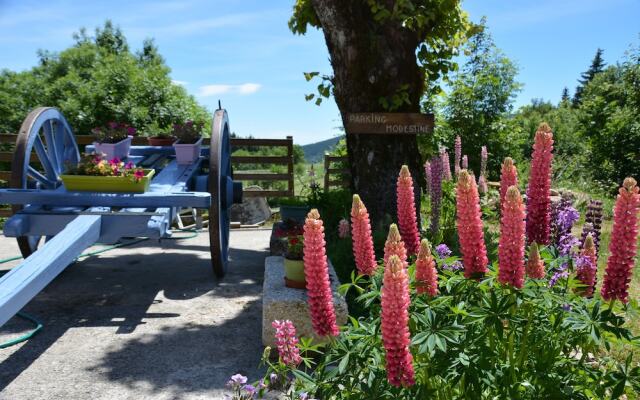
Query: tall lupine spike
508, 177
363, 252
426, 273
287, 342
539, 189
465, 162
512, 241
623, 243
535, 265
395, 323
469, 224
446, 166
587, 272
343, 228
484, 157
406, 208
457, 155
394, 245
316, 271
427, 176
563, 216
436, 193
482, 185
593, 216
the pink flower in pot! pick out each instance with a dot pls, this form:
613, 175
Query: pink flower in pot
189, 142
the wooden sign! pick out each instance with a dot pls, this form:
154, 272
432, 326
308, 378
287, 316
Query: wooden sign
389, 123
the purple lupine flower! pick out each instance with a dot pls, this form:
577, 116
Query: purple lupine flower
483, 188
465, 162
564, 215
457, 155
446, 166
454, 266
238, 379
566, 307
427, 175
593, 216
561, 273
443, 251
436, 193
484, 156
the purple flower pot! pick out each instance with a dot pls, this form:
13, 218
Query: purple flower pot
114, 150
187, 153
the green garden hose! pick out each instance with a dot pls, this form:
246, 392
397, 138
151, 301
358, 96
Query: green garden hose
36, 322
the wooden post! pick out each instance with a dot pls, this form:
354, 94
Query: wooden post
290, 165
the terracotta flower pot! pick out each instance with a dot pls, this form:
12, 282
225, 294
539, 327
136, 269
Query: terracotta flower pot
187, 153
114, 150
294, 274
160, 140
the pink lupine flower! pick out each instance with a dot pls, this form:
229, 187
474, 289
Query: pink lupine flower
586, 273
469, 224
426, 274
316, 271
406, 209
539, 189
343, 228
394, 246
484, 157
457, 155
623, 243
427, 176
363, 252
535, 265
395, 323
512, 241
482, 185
287, 342
446, 166
465, 162
508, 177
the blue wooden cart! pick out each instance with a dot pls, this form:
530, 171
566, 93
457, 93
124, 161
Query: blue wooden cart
54, 226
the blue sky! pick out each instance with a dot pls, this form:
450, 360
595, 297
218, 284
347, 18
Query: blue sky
241, 51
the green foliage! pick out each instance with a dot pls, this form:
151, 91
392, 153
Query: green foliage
597, 66
609, 119
98, 80
484, 339
479, 102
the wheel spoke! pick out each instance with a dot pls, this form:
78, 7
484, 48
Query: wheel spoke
61, 141
45, 160
34, 174
50, 137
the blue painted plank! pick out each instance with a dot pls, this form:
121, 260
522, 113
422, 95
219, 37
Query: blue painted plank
26, 280
147, 150
151, 199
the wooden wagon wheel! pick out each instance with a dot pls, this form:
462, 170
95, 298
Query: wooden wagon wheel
46, 133
224, 192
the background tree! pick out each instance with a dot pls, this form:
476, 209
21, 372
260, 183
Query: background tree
382, 53
98, 80
565, 95
479, 102
597, 66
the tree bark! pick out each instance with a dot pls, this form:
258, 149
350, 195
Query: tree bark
372, 60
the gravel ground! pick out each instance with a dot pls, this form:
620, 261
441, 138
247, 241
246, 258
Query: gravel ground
148, 321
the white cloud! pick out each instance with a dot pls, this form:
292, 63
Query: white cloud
243, 89
179, 83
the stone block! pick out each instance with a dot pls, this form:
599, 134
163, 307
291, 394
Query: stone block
280, 302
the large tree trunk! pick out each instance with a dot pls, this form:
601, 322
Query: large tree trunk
373, 60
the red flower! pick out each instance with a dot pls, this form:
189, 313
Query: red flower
623, 243
511, 246
539, 189
363, 253
469, 223
426, 274
406, 209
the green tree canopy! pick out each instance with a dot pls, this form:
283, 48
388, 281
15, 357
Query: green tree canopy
98, 79
597, 66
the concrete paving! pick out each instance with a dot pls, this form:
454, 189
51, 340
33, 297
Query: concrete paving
148, 321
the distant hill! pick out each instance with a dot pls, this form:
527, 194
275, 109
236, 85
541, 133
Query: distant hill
314, 152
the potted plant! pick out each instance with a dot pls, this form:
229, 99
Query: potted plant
161, 139
97, 174
294, 208
293, 262
189, 142
113, 140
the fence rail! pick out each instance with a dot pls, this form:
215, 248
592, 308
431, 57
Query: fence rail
343, 179
260, 176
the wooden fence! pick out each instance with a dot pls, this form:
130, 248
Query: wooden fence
286, 160
342, 179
